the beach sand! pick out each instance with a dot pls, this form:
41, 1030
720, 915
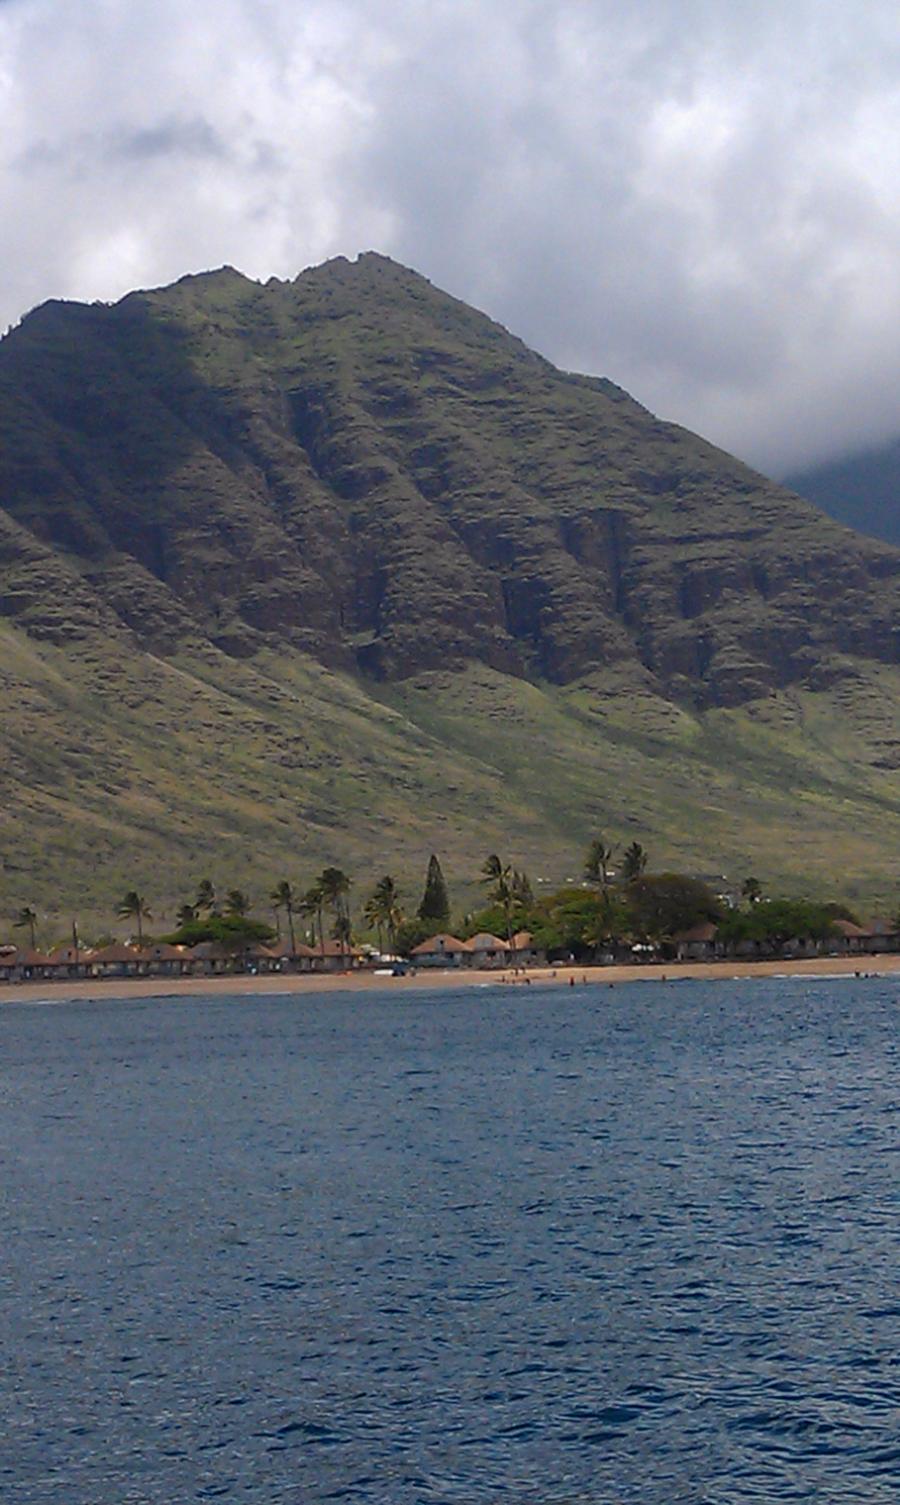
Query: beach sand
428, 980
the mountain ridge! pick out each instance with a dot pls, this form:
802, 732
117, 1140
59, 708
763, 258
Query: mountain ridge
357, 483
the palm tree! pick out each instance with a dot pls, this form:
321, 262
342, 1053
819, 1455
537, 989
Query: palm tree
134, 907
206, 896
634, 861
341, 932
502, 879
312, 905
282, 896
383, 910
596, 862
335, 886
236, 902
27, 917
372, 917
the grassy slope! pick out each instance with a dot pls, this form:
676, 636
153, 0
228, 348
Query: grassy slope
127, 771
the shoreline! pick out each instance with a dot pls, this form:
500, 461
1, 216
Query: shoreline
435, 980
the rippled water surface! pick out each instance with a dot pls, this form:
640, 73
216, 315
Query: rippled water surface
629, 1244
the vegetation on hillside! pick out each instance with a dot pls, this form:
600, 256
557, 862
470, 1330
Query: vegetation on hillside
618, 907
339, 566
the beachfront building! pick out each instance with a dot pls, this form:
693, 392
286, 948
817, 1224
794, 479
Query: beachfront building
441, 951
526, 953
484, 952
699, 944
874, 939
488, 952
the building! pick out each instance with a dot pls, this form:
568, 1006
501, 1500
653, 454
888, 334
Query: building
441, 951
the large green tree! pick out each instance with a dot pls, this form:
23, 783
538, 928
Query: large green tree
774, 922
435, 905
662, 904
235, 932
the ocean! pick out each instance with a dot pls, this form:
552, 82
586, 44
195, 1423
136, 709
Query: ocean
545, 1246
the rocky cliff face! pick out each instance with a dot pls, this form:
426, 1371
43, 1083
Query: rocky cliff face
359, 467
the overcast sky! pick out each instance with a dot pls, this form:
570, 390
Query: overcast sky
697, 198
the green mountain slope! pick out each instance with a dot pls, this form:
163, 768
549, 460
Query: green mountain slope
862, 490
339, 570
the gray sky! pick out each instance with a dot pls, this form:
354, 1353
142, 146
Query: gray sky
697, 198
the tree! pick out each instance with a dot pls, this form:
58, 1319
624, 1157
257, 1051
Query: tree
662, 904
634, 861
235, 932
340, 931
335, 886
135, 907
186, 914
410, 933
751, 890
609, 922
282, 896
312, 905
596, 862
236, 902
206, 896
435, 905
501, 880
575, 921
774, 922
27, 917
382, 910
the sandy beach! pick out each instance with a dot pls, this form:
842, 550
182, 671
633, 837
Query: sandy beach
435, 981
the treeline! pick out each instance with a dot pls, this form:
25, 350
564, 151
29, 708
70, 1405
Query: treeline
606, 912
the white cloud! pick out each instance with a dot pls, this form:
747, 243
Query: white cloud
697, 200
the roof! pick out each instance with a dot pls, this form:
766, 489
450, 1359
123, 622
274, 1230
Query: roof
437, 945
117, 951
522, 940
330, 948
27, 958
850, 931
484, 941
210, 951
705, 931
62, 956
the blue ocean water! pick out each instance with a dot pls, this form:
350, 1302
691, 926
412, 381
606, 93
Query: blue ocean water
593, 1245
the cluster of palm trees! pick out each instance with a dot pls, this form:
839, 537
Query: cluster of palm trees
599, 856
328, 897
330, 891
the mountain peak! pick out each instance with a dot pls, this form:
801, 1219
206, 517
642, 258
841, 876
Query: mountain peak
283, 555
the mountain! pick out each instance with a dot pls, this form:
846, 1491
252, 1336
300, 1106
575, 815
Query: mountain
861, 490
338, 569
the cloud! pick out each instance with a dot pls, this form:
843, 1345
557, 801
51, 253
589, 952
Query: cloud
697, 200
